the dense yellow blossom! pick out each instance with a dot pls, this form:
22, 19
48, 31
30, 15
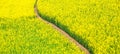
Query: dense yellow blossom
94, 23
22, 33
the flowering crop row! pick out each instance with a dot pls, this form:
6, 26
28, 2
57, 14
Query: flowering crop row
94, 23
22, 33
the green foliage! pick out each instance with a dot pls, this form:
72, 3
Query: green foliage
22, 33
31, 36
96, 22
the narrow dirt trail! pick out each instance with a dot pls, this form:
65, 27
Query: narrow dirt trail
60, 30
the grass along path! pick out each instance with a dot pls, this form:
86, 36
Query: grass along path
22, 33
93, 23
60, 30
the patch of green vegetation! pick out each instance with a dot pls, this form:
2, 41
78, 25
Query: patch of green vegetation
94, 23
22, 33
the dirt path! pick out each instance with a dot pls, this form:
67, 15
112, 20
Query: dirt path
60, 30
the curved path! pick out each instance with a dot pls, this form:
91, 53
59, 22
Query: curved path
60, 30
